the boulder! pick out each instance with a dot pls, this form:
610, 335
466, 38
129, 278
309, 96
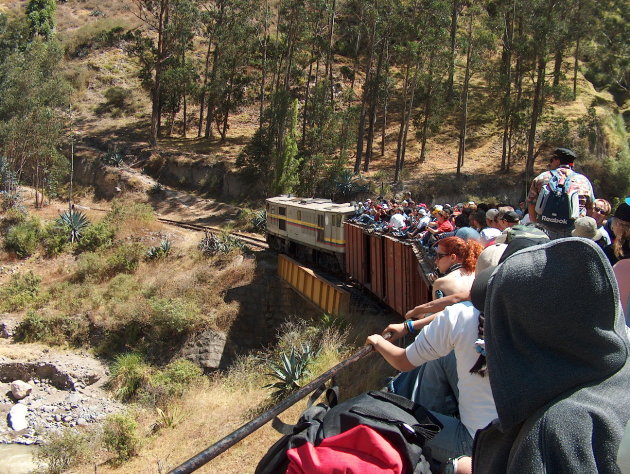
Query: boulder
205, 349
20, 389
17, 417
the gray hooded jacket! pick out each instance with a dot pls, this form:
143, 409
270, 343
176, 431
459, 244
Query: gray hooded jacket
557, 357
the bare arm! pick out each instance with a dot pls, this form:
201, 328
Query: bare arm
531, 209
394, 355
437, 305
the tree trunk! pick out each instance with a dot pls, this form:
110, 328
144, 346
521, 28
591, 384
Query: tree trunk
329, 63
536, 110
575, 66
308, 89
464, 123
385, 103
451, 64
506, 62
372, 114
557, 67
365, 96
427, 110
401, 130
264, 68
202, 99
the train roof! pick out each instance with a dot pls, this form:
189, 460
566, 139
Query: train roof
318, 204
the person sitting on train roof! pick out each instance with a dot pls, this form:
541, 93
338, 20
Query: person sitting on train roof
455, 329
491, 230
559, 372
600, 211
455, 261
442, 224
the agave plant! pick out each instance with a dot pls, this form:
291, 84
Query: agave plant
290, 370
76, 221
212, 244
159, 251
259, 221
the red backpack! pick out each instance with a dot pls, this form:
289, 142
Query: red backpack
376, 432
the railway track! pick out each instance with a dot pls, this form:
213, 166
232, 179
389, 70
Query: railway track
247, 239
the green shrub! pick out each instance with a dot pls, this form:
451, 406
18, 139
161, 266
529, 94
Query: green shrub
125, 212
96, 236
20, 291
171, 382
13, 216
62, 450
172, 318
54, 239
121, 287
96, 266
120, 436
52, 329
125, 259
290, 370
129, 374
23, 238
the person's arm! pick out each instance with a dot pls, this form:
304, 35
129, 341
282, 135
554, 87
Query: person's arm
437, 305
394, 355
531, 210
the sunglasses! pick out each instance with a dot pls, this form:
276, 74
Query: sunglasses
439, 255
599, 210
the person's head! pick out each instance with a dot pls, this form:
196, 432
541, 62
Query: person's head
507, 219
562, 156
601, 210
461, 221
452, 250
491, 218
621, 229
478, 219
586, 227
442, 216
469, 208
553, 323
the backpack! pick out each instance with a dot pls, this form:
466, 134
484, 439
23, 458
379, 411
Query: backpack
375, 432
556, 207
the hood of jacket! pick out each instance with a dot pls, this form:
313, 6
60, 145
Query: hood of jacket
553, 324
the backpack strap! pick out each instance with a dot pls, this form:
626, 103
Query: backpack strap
332, 396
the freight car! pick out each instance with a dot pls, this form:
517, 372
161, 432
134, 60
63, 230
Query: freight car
309, 229
317, 231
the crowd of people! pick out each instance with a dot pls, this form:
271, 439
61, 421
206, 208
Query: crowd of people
522, 355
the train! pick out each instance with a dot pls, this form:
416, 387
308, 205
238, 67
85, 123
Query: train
318, 231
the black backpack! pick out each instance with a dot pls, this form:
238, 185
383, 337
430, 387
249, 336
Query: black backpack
333, 427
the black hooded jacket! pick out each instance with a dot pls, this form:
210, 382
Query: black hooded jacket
557, 358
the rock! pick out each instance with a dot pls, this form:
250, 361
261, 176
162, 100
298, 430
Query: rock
20, 389
81, 421
67, 419
17, 417
57, 417
205, 350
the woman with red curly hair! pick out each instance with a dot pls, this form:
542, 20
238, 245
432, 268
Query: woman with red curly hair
455, 260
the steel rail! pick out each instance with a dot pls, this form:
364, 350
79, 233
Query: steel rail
230, 440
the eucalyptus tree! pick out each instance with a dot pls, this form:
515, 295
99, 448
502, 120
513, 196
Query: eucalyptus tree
41, 17
151, 47
33, 100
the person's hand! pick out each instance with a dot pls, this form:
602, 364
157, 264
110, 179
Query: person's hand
374, 340
397, 331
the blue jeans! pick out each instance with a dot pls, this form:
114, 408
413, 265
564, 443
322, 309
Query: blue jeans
452, 441
434, 386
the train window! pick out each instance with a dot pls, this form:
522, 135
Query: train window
299, 215
327, 220
282, 211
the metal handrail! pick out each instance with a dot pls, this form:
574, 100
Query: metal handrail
230, 440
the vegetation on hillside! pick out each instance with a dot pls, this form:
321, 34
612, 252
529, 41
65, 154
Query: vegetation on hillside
336, 84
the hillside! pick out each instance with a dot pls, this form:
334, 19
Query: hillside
112, 111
